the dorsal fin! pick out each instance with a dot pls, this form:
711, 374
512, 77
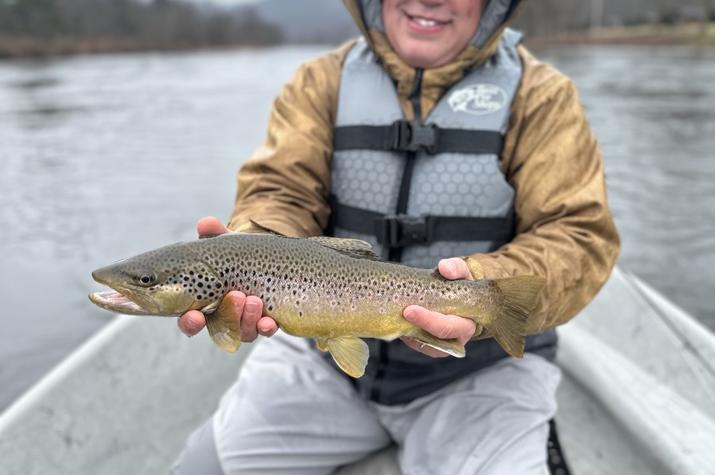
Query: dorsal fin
437, 274
210, 236
350, 247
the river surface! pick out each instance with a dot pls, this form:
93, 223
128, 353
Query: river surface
102, 157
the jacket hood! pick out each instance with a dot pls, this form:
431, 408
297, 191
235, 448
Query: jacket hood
496, 16
368, 17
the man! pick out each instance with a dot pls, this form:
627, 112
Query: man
435, 135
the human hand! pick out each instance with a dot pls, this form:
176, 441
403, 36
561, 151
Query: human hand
442, 326
247, 309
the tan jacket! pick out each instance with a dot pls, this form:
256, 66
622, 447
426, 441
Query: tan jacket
565, 231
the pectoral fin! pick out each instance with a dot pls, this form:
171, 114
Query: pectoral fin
224, 328
350, 354
451, 347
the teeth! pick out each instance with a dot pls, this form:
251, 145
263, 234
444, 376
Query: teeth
425, 22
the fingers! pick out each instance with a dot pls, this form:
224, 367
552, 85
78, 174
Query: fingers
191, 322
210, 226
454, 268
252, 312
247, 310
422, 348
442, 326
253, 322
267, 326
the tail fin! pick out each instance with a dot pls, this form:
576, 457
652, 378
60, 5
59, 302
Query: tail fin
509, 323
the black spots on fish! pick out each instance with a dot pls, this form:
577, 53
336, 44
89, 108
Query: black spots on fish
200, 285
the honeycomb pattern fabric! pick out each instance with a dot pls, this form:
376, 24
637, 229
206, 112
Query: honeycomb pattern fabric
368, 180
447, 184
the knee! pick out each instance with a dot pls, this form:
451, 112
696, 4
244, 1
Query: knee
199, 454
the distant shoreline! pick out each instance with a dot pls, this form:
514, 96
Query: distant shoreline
29, 47
682, 34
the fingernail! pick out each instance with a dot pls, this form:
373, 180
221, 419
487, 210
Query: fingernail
410, 314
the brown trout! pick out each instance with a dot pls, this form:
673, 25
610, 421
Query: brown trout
336, 291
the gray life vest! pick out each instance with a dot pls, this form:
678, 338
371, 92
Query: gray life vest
419, 192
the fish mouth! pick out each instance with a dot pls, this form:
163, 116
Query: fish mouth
117, 302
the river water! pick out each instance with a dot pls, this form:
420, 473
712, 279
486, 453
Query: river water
102, 157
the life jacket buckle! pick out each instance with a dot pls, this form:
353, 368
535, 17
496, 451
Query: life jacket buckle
402, 230
414, 136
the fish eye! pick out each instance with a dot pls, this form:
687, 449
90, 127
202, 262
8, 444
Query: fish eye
147, 279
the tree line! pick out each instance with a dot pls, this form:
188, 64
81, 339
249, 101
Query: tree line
87, 25
543, 17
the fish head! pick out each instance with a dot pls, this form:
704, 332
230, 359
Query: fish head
167, 281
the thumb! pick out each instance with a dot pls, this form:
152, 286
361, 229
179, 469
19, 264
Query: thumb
454, 268
210, 226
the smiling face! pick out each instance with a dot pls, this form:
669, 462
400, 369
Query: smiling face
430, 33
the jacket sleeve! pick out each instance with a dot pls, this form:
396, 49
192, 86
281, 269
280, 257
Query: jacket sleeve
284, 186
565, 231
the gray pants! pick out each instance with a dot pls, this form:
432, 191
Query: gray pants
290, 413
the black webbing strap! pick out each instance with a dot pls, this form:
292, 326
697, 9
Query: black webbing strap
411, 136
402, 230
554, 454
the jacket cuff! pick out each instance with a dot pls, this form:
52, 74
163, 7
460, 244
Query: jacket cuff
245, 227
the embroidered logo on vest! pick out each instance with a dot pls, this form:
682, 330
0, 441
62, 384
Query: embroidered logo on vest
478, 99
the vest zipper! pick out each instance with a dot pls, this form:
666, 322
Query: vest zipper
395, 254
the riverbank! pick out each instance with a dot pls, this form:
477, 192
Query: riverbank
689, 33
681, 34
31, 47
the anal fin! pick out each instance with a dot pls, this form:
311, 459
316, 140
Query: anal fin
452, 347
350, 354
322, 344
224, 328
